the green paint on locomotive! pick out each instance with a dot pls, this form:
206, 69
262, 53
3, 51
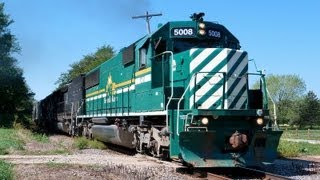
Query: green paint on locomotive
210, 80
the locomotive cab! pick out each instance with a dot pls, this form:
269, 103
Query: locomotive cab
212, 112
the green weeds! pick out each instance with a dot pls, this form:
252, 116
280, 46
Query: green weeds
9, 140
84, 143
6, 170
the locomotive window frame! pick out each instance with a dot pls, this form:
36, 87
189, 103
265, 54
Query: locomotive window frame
92, 79
128, 55
143, 57
160, 46
183, 44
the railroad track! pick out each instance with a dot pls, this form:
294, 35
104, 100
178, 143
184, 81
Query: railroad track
241, 173
210, 173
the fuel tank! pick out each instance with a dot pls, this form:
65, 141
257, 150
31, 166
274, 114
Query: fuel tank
113, 134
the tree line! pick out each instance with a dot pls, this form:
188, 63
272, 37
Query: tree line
294, 106
15, 96
87, 63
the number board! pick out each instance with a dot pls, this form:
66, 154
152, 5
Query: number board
183, 32
214, 33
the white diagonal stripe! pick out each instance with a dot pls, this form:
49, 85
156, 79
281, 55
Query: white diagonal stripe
210, 84
241, 100
212, 99
231, 80
211, 65
237, 89
234, 59
201, 57
238, 70
193, 50
191, 101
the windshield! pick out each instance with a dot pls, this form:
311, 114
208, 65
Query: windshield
180, 45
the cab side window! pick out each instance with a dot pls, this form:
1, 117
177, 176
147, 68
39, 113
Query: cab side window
143, 57
160, 46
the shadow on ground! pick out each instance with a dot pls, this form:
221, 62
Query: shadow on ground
293, 167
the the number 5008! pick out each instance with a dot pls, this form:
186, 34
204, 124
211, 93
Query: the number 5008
213, 33
183, 32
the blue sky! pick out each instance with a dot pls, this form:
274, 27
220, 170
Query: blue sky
282, 36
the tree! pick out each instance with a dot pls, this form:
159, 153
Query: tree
285, 87
309, 111
87, 63
285, 90
15, 96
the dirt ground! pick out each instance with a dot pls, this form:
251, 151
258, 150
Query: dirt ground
63, 171
59, 159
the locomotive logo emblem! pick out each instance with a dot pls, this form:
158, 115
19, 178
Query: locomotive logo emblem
111, 86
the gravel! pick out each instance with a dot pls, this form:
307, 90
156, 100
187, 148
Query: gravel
94, 163
300, 168
109, 164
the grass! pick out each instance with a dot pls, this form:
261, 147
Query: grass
40, 138
301, 134
6, 171
27, 135
15, 139
84, 143
9, 140
293, 149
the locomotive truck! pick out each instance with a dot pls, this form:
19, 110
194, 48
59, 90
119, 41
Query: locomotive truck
181, 92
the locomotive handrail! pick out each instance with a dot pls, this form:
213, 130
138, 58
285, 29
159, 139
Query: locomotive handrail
171, 79
78, 110
185, 91
187, 88
187, 115
268, 95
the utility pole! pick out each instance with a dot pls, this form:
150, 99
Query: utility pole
147, 17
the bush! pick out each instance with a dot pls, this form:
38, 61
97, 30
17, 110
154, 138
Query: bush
84, 143
288, 149
6, 171
81, 143
97, 145
40, 137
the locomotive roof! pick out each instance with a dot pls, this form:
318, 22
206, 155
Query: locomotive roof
172, 24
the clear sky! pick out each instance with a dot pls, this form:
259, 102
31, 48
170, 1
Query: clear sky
282, 36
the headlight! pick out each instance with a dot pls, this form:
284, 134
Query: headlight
202, 25
205, 120
259, 112
202, 32
259, 121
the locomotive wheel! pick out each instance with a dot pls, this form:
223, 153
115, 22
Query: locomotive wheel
154, 148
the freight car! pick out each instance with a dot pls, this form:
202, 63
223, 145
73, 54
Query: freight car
181, 92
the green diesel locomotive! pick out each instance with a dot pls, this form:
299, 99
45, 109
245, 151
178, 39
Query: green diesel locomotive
181, 92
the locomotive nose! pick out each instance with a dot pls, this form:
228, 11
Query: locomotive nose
238, 141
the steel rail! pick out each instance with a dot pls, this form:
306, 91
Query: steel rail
242, 173
212, 176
